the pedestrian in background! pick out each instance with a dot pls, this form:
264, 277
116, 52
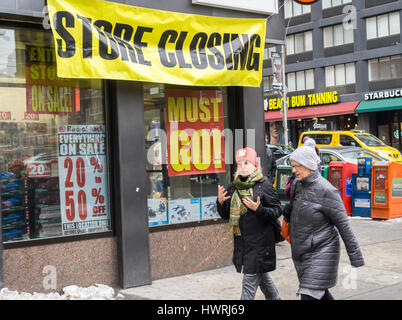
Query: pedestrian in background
251, 205
317, 216
271, 163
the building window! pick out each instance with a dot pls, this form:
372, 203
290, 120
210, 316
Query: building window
299, 42
385, 68
268, 51
300, 81
177, 193
340, 75
53, 141
293, 9
383, 26
337, 35
267, 83
334, 3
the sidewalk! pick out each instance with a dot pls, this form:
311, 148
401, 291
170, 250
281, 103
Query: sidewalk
380, 278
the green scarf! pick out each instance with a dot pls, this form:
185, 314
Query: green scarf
237, 208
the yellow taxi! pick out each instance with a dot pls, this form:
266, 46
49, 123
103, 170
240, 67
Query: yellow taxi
357, 138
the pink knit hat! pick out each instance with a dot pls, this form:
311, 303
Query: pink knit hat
247, 154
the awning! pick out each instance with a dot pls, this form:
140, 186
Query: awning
313, 112
379, 105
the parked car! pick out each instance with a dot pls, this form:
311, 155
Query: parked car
357, 138
345, 154
280, 151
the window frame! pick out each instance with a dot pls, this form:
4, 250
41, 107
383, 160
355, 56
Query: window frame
373, 23
294, 74
110, 160
334, 74
375, 64
307, 44
330, 31
290, 5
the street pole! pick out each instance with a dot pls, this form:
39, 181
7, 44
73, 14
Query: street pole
284, 105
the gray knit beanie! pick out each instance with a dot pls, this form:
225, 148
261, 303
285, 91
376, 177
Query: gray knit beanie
306, 156
309, 143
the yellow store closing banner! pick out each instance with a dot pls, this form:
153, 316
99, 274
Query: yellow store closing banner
99, 39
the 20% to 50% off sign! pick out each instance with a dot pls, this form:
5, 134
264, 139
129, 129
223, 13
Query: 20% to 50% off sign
99, 208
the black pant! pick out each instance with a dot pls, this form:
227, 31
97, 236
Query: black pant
326, 296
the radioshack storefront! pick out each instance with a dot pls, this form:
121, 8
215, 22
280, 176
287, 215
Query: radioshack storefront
114, 181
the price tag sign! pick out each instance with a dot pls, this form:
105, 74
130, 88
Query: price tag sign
83, 179
35, 169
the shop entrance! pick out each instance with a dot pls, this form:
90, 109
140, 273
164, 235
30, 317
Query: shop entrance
389, 126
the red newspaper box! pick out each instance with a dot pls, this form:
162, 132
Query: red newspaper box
340, 175
386, 195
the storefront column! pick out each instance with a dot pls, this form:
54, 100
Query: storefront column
130, 184
253, 118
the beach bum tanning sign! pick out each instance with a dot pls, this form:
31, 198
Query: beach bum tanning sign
100, 39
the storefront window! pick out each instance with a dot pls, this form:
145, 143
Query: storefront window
178, 192
53, 169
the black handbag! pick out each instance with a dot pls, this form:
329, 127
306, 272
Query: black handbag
277, 230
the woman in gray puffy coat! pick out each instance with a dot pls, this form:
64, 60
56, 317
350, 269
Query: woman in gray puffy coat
316, 213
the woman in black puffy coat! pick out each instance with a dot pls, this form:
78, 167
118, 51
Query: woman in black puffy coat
251, 205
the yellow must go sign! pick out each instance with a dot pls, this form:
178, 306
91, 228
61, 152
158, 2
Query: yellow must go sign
99, 39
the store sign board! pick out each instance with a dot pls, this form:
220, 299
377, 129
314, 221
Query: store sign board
83, 177
306, 100
258, 6
195, 140
46, 93
386, 94
100, 39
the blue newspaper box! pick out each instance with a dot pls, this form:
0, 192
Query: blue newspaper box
361, 188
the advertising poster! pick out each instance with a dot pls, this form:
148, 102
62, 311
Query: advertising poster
184, 210
363, 183
348, 186
195, 124
380, 197
362, 203
83, 183
45, 92
157, 212
397, 187
208, 208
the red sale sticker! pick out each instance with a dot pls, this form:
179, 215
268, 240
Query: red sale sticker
35, 170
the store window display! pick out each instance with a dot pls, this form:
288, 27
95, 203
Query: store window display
183, 176
53, 144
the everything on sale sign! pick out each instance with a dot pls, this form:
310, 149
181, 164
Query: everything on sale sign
83, 179
194, 123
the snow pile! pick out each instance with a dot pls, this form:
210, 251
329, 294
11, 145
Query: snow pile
96, 292
397, 220
6, 294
